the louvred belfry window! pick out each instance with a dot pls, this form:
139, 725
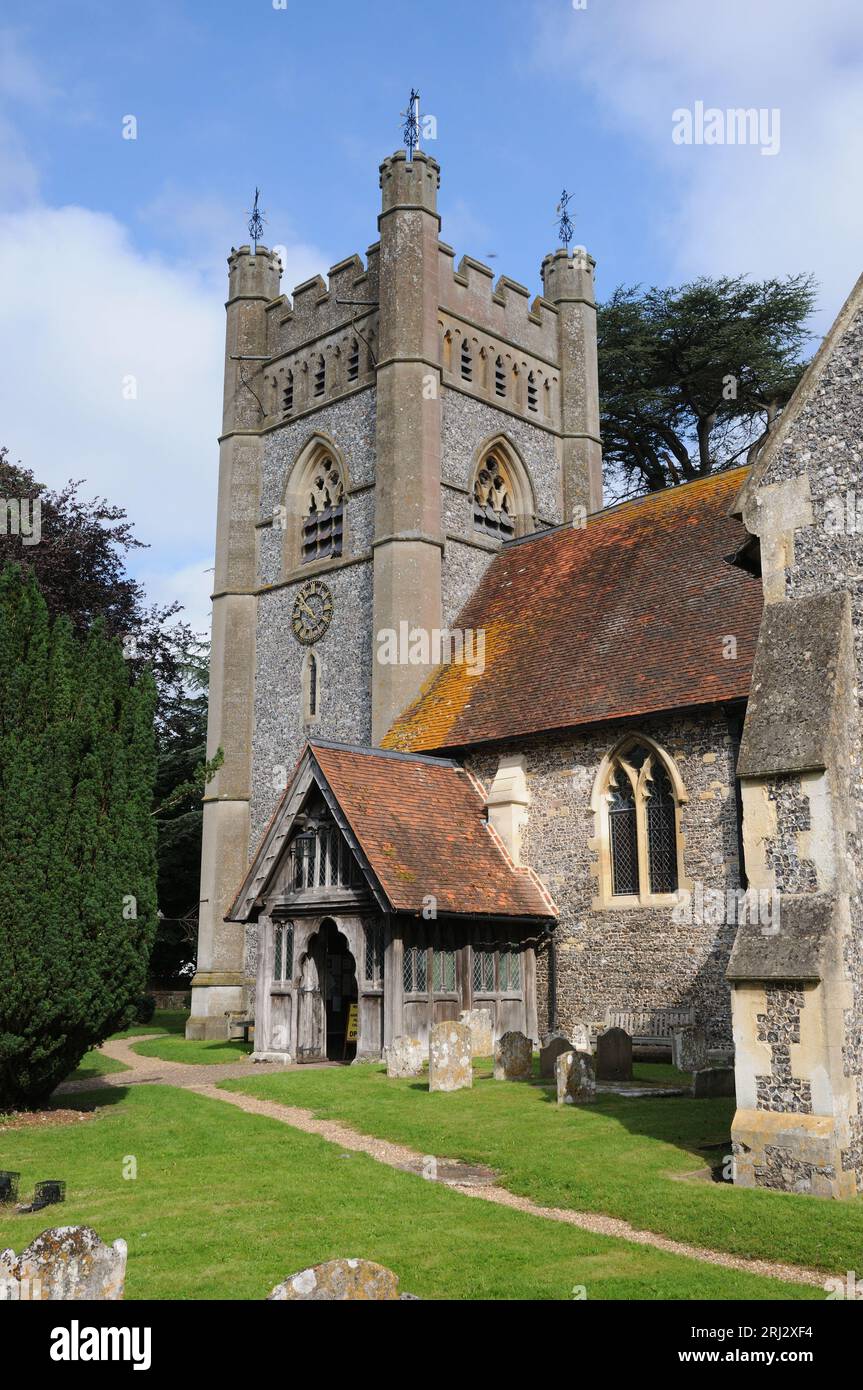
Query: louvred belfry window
323, 522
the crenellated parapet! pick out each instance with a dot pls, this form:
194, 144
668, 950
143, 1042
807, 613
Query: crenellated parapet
503, 309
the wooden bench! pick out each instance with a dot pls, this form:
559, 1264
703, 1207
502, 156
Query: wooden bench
245, 1025
649, 1027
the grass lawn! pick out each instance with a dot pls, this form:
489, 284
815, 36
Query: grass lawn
163, 1021
171, 1049
225, 1205
95, 1063
615, 1156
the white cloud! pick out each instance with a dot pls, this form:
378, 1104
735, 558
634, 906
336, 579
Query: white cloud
732, 209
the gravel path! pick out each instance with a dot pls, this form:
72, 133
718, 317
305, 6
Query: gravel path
463, 1178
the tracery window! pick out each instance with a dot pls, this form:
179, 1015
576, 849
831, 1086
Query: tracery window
493, 509
641, 808
323, 515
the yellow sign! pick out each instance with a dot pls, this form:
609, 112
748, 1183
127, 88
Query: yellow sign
352, 1024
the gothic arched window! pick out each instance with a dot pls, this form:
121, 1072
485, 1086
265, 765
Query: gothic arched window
288, 393
499, 377
323, 512
493, 507
639, 801
532, 398
353, 360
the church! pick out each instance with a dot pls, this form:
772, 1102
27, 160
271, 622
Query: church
488, 743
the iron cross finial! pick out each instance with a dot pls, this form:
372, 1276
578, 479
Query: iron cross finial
565, 228
256, 222
411, 126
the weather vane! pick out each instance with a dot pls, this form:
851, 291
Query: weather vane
411, 128
256, 222
564, 221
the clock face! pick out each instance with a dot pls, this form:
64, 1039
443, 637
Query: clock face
313, 611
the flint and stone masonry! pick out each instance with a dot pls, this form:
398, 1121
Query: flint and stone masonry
406, 430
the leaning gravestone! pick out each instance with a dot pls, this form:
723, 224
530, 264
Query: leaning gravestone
689, 1049
405, 1057
575, 1078
65, 1264
513, 1057
449, 1057
336, 1281
481, 1033
553, 1046
713, 1081
614, 1055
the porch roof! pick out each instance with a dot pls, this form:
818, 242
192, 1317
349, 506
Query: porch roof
418, 826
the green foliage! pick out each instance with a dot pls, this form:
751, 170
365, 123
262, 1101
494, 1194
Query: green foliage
183, 771
693, 379
78, 884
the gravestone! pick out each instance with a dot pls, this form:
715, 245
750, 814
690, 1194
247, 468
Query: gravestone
513, 1057
614, 1055
336, 1281
553, 1046
689, 1049
64, 1264
481, 1031
449, 1057
574, 1074
405, 1057
713, 1081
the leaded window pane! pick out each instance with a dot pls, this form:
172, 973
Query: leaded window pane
374, 953
443, 970
510, 970
483, 971
624, 836
277, 961
661, 832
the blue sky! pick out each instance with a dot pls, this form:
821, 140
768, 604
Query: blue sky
112, 251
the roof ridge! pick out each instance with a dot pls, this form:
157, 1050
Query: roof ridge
615, 507
393, 753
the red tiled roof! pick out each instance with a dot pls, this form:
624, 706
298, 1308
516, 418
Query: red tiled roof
421, 825
623, 617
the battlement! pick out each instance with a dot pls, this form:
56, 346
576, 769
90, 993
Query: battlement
313, 309
502, 308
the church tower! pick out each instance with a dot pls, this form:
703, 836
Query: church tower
384, 434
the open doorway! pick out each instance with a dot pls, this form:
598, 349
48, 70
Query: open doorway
340, 994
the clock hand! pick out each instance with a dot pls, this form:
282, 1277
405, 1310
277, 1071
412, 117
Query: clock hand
311, 612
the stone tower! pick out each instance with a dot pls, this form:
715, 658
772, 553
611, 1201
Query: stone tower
400, 423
